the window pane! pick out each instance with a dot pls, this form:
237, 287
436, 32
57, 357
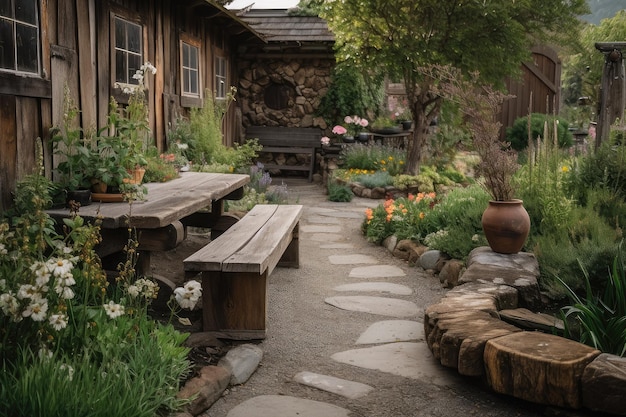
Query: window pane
134, 37
194, 82
5, 8
185, 55
26, 11
193, 57
134, 63
7, 48
120, 67
27, 57
186, 83
120, 34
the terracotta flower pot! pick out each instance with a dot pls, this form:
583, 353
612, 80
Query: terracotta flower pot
506, 225
136, 176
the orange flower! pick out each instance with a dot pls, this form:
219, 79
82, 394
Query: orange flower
369, 214
422, 215
411, 197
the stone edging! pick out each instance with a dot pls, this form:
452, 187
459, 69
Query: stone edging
465, 331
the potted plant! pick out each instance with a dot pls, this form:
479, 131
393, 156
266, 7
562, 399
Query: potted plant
385, 125
505, 222
74, 150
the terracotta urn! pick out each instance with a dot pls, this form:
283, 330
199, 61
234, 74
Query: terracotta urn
506, 225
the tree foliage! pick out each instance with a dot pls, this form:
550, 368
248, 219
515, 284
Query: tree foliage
403, 36
583, 70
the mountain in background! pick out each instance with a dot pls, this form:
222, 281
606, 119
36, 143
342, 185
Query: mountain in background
603, 9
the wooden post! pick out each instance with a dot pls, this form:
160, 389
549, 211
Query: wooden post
612, 89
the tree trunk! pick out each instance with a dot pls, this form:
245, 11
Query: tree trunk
424, 108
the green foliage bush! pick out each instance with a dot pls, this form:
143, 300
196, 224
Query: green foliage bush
517, 135
600, 316
375, 180
374, 158
339, 192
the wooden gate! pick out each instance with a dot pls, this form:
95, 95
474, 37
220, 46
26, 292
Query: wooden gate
540, 82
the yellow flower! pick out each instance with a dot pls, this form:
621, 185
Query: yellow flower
564, 168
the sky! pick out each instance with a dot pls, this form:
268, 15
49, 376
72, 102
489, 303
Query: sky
263, 4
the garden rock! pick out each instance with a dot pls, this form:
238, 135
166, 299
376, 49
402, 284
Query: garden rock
378, 193
504, 295
409, 250
522, 260
538, 367
429, 259
604, 384
449, 274
242, 361
522, 280
390, 243
205, 389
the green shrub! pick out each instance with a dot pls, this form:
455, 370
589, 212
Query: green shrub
375, 180
517, 135
339, 192
374, 158
600, 316
454, 226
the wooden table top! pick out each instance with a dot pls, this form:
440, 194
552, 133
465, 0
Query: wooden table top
165, 202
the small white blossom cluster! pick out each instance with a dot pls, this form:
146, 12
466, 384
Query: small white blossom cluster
31, 300
432, 240
143, 288
188, 295
113, 310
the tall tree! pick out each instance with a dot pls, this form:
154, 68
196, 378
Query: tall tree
404, 37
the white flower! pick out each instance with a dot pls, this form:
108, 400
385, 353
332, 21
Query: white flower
3, 249
133, 291
27, 291
182, 146
189, 294
70, 370
67, 293
113, 310
58, 321
45, 353
9, 304
42, 273
59, 266
37, 309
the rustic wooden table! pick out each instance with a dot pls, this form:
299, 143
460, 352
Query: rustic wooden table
193, 199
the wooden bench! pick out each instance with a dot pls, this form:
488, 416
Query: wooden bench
235, 268
288, 140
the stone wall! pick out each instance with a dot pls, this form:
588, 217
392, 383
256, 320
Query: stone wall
283, 92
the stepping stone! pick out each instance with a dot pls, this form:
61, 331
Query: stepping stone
406, 359
320, 229
322, 219
285, 406
326, 237
386, 287
375, 305
337, 246
388, 331
377, 271
351, 259
343, 387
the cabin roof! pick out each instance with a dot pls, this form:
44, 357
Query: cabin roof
276, 25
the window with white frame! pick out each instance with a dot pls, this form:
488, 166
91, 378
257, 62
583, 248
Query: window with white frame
190, 69
128, 50
220, 77
19, 36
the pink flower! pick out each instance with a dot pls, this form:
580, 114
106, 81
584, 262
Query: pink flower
325, 140
349, 119
363, 122
339, 130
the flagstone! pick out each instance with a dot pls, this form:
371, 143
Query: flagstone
343, 387
351, 259
377, 271
386, 287
285, 406
320, 228
337, 246
388, 331
325, 237
375, 305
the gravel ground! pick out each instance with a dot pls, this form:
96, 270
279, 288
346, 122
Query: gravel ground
303, 331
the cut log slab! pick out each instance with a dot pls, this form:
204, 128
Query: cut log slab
604, 385
538, 367
505, 296
458, 339
528, 320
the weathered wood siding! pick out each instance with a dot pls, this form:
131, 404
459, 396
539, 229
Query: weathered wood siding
540, 81
76, 50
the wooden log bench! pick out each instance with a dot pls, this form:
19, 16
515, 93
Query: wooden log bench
235, 268
288, 140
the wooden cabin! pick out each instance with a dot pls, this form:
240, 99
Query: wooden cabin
94, 47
